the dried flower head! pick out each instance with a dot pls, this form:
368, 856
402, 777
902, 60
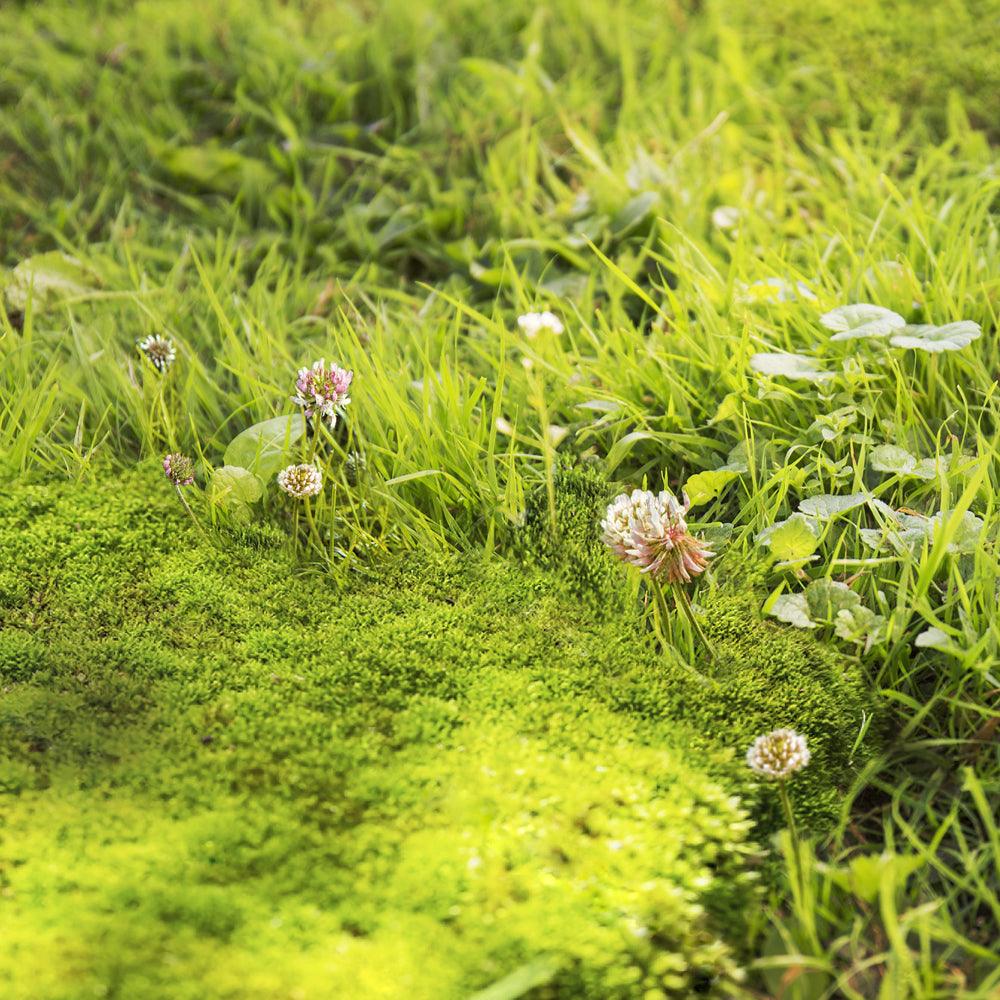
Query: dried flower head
179, 469
323, 390
649, 530
301, 480
778, 755
532, 324
160, 351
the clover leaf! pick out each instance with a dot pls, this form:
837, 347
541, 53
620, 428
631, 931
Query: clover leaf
861, 320
935, 339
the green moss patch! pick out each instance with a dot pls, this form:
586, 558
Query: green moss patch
222, 777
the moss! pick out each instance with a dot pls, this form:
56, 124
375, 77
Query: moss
586, 570
765, 675
222, 778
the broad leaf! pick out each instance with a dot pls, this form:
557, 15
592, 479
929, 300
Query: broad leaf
827, 598
928, 468
859, 625
935, 339
234, 484
967, 535
736, 460
215, 168
830, 603
264, 448
868, 874
49, 277
932, 638
785, 365
705, 486
910, 532
828, 505
861, 320
717, 533
791, 540
792, 609
903, 532
892, 458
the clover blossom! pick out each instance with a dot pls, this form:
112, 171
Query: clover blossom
649, 530
301, 481
179, 469
160, 351
323, 390
778, 755
533, 323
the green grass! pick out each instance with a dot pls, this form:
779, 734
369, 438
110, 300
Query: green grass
389, 185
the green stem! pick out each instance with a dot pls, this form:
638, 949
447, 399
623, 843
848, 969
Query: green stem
313, 531
793, 833
190, 512
660, 614
786, 803
685, 605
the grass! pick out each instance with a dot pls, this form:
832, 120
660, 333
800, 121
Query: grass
389, 186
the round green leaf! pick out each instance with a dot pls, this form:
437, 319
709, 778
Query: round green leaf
892, 458
792, 540
234, 485
48, 277
827, 505
789, 366
705, 486
861, 320
264, 448
935, 339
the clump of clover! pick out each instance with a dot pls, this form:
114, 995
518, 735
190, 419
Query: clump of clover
297, 452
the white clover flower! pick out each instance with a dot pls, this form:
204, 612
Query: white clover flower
534, 323
778, 754
301, 480
323, 390
160, 351
649, 530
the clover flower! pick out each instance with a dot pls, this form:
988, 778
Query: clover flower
179, 469
778, 754
160, 351
301, 481
532, 324
649, 530
323, 390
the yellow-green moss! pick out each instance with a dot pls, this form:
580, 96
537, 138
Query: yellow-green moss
221, 778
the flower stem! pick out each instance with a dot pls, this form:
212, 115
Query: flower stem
313, 532
793, 832
684, 602
660, 614
190, 512
786, 803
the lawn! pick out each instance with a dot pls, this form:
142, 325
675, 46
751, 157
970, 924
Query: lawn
329, 331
